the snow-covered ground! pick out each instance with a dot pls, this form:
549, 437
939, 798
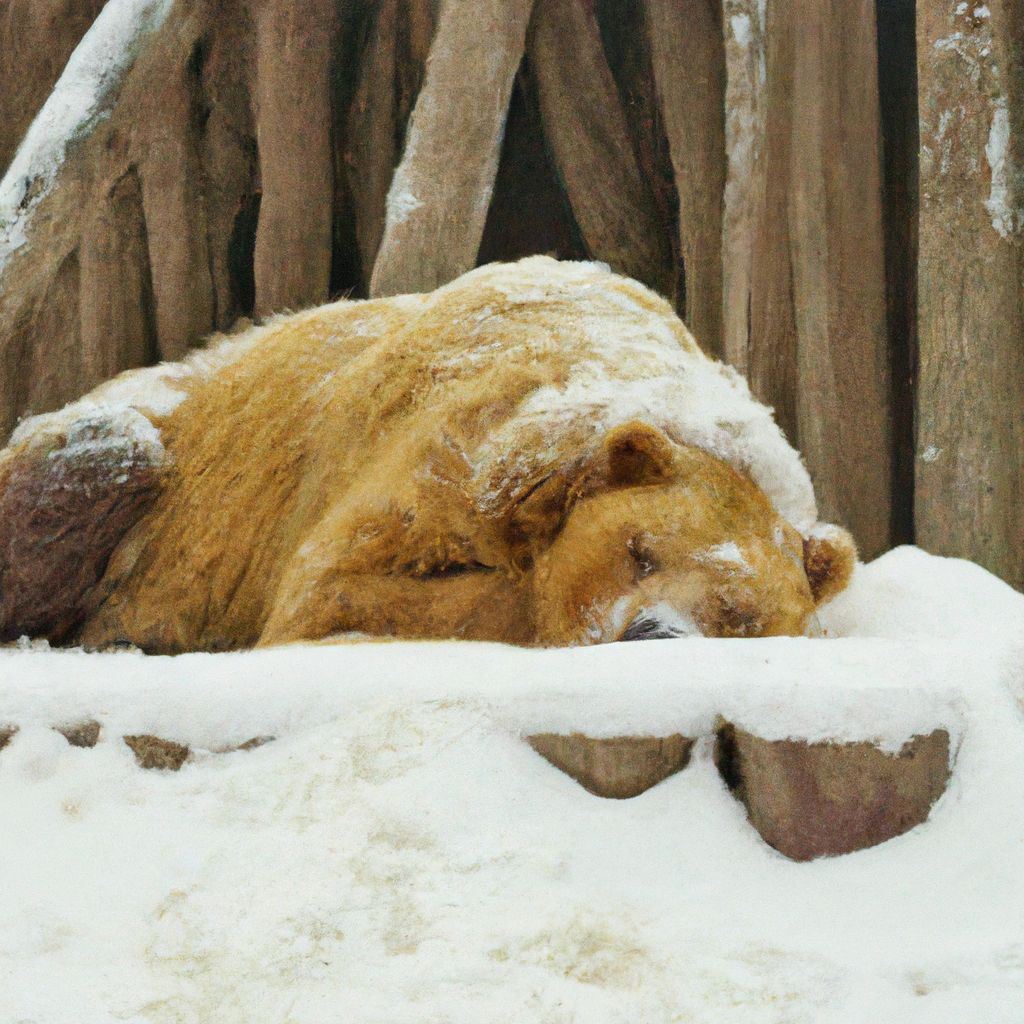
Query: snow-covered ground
399, 854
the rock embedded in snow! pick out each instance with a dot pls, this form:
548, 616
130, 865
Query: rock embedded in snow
810, 800
616, 767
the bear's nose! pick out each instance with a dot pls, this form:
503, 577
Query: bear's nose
648, 629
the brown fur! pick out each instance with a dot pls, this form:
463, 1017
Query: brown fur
321, 482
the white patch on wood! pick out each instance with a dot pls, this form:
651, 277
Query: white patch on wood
76, 105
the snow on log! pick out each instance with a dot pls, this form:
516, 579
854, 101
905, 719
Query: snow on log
688, 57
589, 138
969, 476
36, 39
438, 200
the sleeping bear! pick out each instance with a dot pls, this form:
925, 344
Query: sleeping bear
537, 453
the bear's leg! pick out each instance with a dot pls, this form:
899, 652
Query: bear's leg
69, 492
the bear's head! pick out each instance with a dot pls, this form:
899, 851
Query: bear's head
657, 539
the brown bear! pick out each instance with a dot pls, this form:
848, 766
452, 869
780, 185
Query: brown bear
537, 453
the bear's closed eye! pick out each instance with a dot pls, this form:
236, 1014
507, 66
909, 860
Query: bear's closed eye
646, 563
444, 572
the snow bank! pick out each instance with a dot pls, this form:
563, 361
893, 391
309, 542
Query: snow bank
80, 97
398, 854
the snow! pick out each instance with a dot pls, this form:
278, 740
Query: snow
78, 100
1005, 218
399, 854
637, 365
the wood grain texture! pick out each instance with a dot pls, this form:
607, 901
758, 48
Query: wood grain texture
970, 402
688, 59
294, 48
818, 348
587, 133
441, 190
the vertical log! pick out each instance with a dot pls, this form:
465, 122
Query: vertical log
772, 343
688, 59
116, 297
969, 483
295, 40
835, 214
438, 200
744, 131
589, 138
818, 336
172, 179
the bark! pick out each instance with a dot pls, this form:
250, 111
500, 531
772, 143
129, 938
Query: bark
36, 39
971, 284
587, 132
438, 200
116, 291
818, 337
688, 58
294, 44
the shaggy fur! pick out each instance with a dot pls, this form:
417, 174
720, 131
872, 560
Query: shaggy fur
376, 467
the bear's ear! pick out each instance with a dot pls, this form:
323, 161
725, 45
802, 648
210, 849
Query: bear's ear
829, 558
638, 454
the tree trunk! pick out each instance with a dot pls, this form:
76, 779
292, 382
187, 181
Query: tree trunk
971, 284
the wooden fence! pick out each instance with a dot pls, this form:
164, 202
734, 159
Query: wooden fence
832, 193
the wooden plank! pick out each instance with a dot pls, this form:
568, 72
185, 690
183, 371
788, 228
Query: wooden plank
587, 132
969, 480
688, 60
438, 200
295, 42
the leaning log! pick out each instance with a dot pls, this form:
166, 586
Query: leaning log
587, 132
440, 193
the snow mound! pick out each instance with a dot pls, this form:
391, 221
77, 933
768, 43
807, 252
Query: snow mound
399, 855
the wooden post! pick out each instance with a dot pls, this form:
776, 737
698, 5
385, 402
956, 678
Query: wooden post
970, 402
586, 129
440, 193
688, 58
294, 49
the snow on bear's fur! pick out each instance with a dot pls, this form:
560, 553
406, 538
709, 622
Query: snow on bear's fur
535, 453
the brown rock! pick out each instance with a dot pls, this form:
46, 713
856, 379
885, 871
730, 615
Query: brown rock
7, 733
153, 752
82, 734
811, 800
617, 768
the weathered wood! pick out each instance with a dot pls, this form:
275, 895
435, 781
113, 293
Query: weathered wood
617, 768
819, 344
970, 402
176, 227
688, 58
389, 80
36, 39
744, 137
116, 293
294, 52
438, 200
811, 800
589, 138
152, 752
